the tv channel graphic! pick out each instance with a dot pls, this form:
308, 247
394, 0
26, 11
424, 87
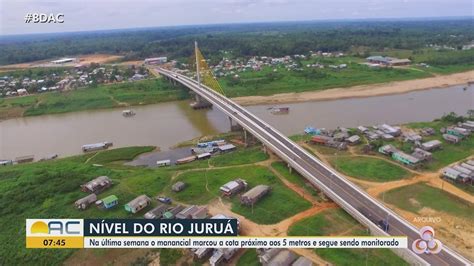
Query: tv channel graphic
54, 233
427, 243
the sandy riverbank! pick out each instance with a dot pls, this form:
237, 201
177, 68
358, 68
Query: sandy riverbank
397, 87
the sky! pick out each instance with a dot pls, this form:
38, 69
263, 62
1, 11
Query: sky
85, 15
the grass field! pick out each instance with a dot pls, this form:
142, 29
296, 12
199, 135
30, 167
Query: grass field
370, 169
169, 256
120, 154
415, 197
267, 82
338, 222
241, 156
294, 177
249, 258
102, 96
49, 189
324, 150
329, 222
203, 186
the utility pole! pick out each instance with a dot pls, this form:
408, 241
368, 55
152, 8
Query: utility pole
197, 63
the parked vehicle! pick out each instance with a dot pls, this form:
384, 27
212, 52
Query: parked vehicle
163, 199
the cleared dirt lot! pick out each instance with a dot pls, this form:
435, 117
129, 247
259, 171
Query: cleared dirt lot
83, 59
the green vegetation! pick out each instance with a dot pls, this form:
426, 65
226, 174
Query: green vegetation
371, 169
49, 189
440, 62
120, 154
249, 258
415, 197
337, 222
103, 96
360, 256
169, 256
294, 177
329, 222
267, 82
324, 150
242, 156
280, 203
270, 39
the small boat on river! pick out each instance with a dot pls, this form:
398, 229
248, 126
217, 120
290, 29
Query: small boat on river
128, 113
279, 110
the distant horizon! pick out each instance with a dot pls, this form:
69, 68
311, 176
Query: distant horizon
94, 15
406, 19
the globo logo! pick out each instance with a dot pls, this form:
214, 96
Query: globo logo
427, 242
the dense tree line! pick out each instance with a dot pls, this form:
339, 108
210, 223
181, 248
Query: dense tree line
272, 39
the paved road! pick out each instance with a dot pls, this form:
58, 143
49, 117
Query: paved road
342, 191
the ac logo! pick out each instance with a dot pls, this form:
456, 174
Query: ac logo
54, 227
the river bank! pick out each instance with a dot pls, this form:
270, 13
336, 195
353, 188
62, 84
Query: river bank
165, 124
362, 91
157, 91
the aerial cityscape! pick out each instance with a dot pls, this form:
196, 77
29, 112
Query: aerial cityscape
326, 126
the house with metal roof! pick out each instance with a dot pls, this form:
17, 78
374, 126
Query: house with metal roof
302, 261
388, 61
138, 204
266, 254
171, 213
227, 147
178, 186
233, 187
352, 140
204, 156
450, 173
431, 145
222, 255
391, 130
199, 213
405, 158
387, 149
156, 212
451, 138
421, 154
412, 137
467, 166
97, 185
253, 195
187, 212
107, 202
84, 202
463, 170
457, 132
284, 257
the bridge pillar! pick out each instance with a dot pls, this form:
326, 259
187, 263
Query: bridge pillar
290, 169
200, 102
246, 138
234, 127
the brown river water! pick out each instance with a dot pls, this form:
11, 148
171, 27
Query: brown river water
166, 124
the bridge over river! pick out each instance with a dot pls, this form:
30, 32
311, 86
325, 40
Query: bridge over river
349, 196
